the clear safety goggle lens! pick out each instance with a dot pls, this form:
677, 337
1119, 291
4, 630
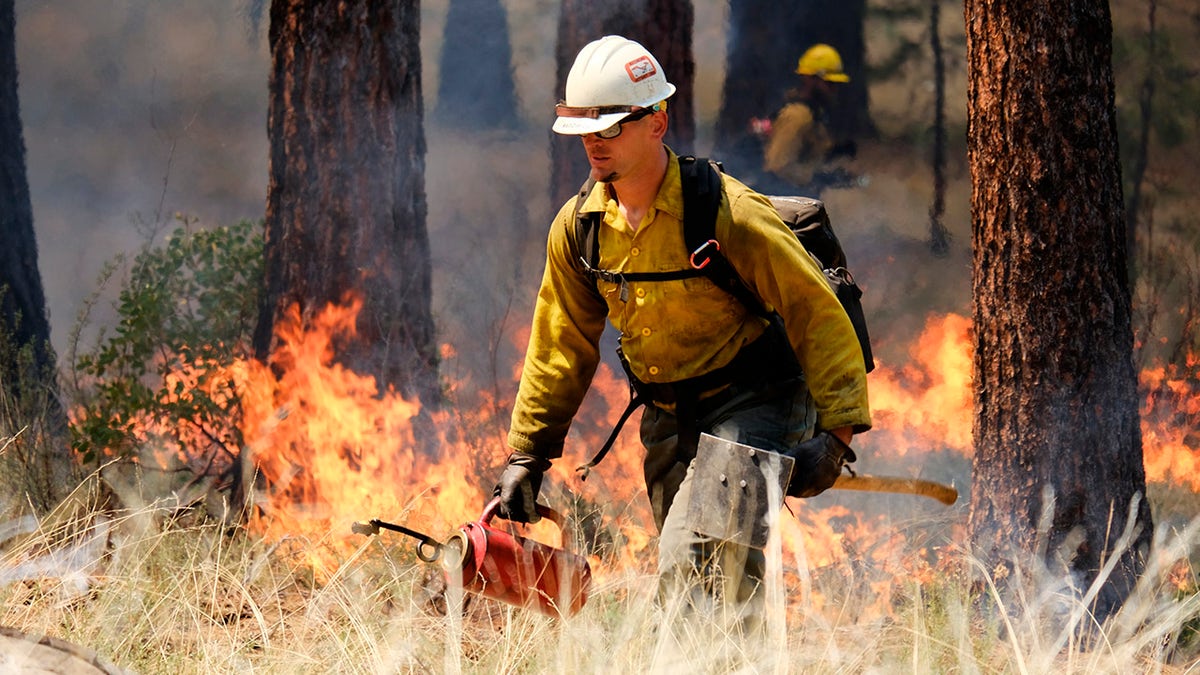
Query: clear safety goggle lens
615, 130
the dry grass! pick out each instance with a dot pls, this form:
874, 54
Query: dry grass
158, 591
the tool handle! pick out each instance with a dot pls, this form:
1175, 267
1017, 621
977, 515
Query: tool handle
493, 507
945, 494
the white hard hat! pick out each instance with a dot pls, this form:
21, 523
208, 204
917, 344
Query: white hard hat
611, 78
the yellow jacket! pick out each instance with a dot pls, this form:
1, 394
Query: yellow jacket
673, 330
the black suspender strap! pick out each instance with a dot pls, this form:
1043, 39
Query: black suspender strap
635, 401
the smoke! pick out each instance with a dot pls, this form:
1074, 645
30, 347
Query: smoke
134, 111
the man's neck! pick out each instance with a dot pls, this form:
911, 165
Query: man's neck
636, 192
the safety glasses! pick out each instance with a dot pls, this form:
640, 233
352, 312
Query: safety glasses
615, 130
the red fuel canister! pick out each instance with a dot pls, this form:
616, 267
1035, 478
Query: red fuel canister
515, 570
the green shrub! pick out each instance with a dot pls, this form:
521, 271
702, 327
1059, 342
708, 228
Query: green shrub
161, 378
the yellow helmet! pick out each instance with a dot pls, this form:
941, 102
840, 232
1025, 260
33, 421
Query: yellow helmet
824, 62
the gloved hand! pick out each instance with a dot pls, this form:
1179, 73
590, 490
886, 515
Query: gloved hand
819, 462
519, 485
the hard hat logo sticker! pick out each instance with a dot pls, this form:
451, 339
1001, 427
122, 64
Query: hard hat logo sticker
640, 68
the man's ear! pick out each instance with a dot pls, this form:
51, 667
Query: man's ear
659, 124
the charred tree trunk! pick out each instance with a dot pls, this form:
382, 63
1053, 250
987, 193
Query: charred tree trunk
27, 361
476, 89
766, 40
1056, 410
662, 26
346, 198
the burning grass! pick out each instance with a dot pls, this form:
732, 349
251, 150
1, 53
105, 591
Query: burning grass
161, 591
860, 583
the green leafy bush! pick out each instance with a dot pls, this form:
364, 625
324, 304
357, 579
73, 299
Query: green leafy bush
162, 377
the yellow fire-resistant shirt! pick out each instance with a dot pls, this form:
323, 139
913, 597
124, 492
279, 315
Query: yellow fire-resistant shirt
673, 330
797, 145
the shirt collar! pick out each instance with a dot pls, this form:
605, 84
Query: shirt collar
669, 198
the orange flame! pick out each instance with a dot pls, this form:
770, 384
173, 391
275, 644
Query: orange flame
1170, 418
926, 404
332, 448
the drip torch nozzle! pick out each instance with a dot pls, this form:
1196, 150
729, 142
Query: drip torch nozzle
428, 550
368, 528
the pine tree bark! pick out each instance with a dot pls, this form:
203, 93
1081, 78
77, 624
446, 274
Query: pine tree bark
346, 202
662, 26
1056, 410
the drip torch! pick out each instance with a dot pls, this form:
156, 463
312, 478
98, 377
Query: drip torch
503, 566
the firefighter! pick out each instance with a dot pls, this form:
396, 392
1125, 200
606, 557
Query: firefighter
799, 153
707, 362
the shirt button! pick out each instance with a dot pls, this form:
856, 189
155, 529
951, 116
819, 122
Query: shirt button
635, 251
641, 292
653, 370
646, 332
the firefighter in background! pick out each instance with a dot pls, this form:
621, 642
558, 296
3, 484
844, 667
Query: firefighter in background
708, 363
799, 153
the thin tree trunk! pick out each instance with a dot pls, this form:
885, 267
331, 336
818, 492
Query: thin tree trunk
1141, 151
1056, 410
939, 236
22, 304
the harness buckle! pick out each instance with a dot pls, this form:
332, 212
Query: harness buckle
708, 257
606, 275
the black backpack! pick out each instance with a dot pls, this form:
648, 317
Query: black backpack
702, 195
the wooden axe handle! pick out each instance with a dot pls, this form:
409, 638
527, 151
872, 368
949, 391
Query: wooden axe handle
945, 494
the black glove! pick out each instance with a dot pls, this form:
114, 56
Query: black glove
519, 485
819, 462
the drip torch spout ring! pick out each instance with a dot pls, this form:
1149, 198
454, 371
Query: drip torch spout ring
429, 551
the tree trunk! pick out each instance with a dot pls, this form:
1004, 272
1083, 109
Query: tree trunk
27, 362
22, 302
662, 26
766, 40
1056, 410
346, 199
475, 88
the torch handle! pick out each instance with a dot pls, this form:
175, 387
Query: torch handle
544, 511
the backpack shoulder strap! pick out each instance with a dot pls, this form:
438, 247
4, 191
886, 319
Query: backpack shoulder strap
702, 195
585, 240
701, 200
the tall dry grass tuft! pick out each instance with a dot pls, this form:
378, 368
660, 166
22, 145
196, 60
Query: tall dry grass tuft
157, 589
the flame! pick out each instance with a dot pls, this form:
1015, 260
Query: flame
926, 404
332, 448
1170, 417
